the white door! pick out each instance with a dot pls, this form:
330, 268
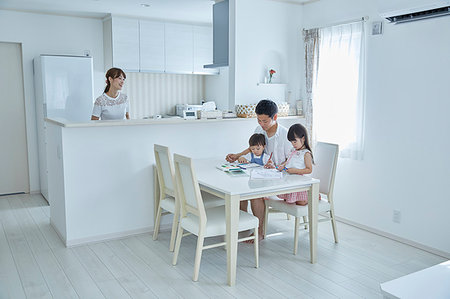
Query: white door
13, 148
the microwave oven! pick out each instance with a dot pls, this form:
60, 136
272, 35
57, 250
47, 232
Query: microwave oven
179, 108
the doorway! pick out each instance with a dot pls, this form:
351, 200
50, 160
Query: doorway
14, 177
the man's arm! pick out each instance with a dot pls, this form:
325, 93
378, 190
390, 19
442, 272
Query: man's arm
234, 157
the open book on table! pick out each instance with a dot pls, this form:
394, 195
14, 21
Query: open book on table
248, 165
264, 173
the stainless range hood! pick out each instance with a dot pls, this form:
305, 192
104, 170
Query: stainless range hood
220, 34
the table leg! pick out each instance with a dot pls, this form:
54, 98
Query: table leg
313, 202
232, 215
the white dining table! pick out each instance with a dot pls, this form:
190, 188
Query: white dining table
235, 188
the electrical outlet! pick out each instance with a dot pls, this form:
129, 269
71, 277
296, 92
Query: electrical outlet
396, 216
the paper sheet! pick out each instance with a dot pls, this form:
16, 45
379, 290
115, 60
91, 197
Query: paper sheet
264, 173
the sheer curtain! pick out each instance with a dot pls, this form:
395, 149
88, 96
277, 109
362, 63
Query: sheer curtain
338, 91
311, 38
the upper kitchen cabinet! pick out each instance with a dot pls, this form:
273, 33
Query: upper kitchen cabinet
203, 49
121, 43
151, 46
179, 48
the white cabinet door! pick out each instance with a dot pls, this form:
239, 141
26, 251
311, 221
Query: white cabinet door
179, 48
203, 49
152, 56
125, 43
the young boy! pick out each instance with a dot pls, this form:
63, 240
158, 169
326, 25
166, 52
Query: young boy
257, 143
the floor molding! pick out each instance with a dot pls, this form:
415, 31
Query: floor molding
395, 238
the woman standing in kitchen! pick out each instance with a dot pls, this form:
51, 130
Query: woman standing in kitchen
112, 104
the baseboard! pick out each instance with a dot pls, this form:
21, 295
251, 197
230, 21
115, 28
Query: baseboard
395, 238
61, 237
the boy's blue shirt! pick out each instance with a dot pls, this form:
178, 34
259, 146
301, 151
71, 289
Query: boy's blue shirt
257, 160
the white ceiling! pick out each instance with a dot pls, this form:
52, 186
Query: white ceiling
198, 11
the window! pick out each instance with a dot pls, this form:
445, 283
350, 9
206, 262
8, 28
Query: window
338, 102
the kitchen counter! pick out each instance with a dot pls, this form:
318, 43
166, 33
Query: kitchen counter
100, 173
161, 121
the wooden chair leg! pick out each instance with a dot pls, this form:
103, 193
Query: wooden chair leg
158, 220
305, 220
266, 218
176, 218
255, 243
198, 256
333, 224
297, 225
178, 244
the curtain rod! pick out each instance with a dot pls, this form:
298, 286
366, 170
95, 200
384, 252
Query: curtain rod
362, 19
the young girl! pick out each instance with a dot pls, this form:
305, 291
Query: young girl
257, 143
299, 161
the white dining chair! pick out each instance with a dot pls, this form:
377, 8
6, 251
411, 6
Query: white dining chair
167, 197
325, 159
200, 221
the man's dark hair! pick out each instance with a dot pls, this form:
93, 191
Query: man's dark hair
266, 107
257, 139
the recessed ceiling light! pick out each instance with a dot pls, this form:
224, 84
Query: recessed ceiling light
145, 5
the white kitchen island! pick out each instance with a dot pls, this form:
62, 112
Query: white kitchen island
100, 173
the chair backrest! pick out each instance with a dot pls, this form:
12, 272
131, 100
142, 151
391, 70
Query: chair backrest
324, 169
188, 190
164, 167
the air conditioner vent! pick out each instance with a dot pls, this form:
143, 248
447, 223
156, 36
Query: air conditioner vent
420, 15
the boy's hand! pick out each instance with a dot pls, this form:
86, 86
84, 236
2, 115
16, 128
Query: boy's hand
280, 167
231, 157
242, 160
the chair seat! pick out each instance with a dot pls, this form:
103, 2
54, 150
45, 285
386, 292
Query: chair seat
216, 222
293, 209
209, 200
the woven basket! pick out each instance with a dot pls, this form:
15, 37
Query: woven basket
246, 110
283, 109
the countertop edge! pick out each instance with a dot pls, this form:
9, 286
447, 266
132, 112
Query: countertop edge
140, 122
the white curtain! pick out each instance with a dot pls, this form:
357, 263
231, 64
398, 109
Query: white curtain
338, 91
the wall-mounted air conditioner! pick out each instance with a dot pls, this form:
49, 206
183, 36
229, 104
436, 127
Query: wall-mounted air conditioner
401, 11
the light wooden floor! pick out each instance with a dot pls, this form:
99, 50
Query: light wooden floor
35, 264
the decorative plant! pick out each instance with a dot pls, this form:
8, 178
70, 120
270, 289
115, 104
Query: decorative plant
271, 72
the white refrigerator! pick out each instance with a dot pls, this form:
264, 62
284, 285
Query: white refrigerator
63, 90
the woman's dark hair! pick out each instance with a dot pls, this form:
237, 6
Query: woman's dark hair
113, 73
257, 139
266, 107
299, 131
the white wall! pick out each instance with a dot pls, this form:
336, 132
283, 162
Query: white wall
264, 35
49, 34
268, 36
406, 162
216, 89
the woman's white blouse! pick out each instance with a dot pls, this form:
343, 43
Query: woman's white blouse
106, 107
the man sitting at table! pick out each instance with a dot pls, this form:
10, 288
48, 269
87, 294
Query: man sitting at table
277, 147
